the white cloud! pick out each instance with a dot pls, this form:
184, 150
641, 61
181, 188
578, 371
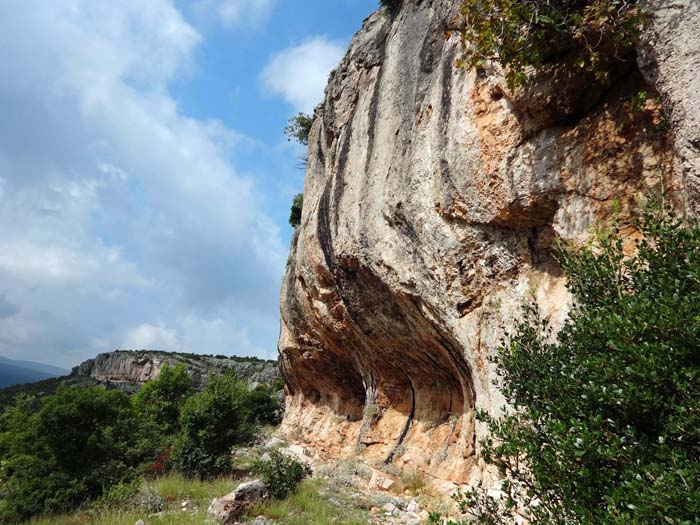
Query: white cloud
232, 13
299, 74
118, 210
151, 337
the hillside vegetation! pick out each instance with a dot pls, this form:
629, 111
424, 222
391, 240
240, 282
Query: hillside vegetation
61, 451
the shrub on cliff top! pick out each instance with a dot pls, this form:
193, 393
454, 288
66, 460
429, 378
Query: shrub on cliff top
519, 34
392, 6
605, 420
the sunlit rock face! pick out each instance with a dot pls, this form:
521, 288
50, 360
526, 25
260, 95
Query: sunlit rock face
129, 370
433, 200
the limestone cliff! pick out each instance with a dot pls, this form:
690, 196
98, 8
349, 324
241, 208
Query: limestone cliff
432, 200
128, 370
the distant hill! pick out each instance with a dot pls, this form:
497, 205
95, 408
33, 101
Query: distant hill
127, 370
16, 372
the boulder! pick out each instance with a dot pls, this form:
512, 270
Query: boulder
229, 508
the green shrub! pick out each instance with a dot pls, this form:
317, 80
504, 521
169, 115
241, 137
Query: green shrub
591, 35
264, 406
160, 400
297, 206
80, 443
392, 6
605, 420
212, 423
281, 473
299, 128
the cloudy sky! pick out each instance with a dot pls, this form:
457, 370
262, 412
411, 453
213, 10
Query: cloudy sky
145, 181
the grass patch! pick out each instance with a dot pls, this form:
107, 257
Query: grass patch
307, 505
173, 489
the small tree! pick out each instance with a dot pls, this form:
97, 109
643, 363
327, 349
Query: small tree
605, 420
162, 398
299, 128
297, 206
212, 423
264, 406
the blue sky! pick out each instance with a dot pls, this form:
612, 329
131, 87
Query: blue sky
145, 180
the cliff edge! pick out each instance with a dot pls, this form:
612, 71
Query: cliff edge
433, 199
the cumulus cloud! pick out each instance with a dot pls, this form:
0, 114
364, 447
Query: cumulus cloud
232, 13
121, 217
152, 337
299, 74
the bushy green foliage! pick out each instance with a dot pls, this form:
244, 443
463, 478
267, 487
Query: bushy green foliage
83, 444
297, 206
590, 35
161, 399
264, 406
212, 423
605, 420
392, 6
281, 473
299, 128
79, 444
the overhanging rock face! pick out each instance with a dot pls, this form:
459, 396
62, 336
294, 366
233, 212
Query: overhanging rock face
432, 202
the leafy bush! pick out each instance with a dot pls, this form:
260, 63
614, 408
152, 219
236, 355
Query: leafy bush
591, 34
264, 406
80, 443
299, 128
281, 473
212, 423
297, 206
161, 399
392, 6
605, 425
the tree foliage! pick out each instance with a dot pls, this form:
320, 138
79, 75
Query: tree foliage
161, 399
295, 213
212, 423
299, 128
61, 451
589, 35
605, 419
80, 442
392, 6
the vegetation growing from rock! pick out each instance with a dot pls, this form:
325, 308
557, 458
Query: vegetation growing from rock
588, 35
392, 6
295, 213
605, 419
299, 128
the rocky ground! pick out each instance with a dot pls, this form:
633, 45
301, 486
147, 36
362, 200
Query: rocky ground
362, 493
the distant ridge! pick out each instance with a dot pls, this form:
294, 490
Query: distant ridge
17, 372
127, 370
